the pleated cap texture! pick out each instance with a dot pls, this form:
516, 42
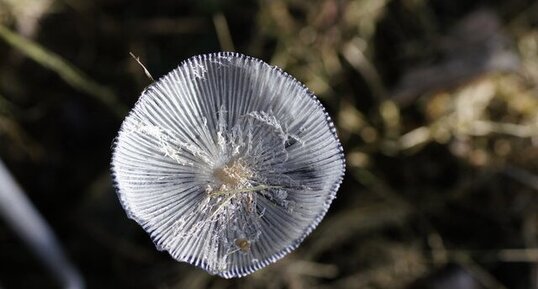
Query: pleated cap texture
228, 163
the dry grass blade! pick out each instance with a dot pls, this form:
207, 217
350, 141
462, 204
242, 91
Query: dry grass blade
223, 32
64, 69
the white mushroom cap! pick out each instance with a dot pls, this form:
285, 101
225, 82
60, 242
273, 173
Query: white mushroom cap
228, 163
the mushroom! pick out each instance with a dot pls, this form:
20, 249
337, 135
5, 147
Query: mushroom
227, 162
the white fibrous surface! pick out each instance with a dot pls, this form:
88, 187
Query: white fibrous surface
228, 163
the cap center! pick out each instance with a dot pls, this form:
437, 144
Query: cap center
234, 175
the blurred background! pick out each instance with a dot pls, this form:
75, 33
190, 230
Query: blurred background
435, 102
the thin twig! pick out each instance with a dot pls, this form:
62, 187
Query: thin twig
146, 71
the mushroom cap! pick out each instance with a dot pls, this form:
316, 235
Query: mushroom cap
227, 162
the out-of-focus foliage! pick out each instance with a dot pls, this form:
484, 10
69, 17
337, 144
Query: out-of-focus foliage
436, 103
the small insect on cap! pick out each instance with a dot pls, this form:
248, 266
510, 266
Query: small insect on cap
228, 163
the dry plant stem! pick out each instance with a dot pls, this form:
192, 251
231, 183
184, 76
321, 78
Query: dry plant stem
519, 255
360, 62
223, 32
18, 212
64, 69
